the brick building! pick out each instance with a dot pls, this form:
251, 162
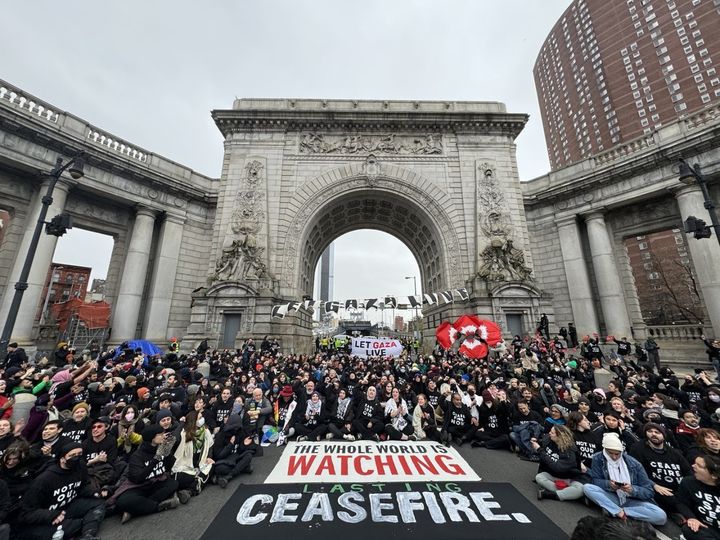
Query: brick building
64, 282
614, 70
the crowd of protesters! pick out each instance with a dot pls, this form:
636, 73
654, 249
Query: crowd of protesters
87, 434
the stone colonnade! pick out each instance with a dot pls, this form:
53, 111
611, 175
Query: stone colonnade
126, 311
705, 255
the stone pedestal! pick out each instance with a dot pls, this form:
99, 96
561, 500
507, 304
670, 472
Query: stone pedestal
705, 252
127, 307
578, 280
610, 290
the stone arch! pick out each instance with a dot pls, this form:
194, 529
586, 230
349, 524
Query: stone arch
395, 188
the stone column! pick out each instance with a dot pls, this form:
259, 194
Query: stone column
157, 313
610, 287
705, 252
23, 331
127, 306
578, 280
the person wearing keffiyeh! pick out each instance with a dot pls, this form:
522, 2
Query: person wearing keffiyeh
312, 425
620, 485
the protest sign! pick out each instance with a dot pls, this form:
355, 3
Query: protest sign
375, 348
421, 511
366, 461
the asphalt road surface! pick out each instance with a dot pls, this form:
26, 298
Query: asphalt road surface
191, 520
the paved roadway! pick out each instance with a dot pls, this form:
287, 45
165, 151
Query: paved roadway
191, 520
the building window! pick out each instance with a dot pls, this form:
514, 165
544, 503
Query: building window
642, 246
653, 275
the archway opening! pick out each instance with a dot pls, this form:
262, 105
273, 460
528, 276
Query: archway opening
366, 264
75, 298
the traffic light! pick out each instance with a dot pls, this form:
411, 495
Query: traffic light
59, 225
697, 227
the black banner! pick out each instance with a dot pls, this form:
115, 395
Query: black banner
430, 510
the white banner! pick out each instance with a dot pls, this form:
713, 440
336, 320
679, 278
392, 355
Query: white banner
366, 461
365, 347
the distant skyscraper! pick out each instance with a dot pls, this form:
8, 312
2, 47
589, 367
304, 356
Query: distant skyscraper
611, 71
327, 273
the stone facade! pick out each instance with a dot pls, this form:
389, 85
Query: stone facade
192, 254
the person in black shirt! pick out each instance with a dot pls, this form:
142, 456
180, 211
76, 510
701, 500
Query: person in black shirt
699, 497
458, 420
100, 453
369, 416
664, 465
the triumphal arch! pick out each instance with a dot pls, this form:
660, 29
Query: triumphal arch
297, 174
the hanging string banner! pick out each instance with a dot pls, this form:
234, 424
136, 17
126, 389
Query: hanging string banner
280, 311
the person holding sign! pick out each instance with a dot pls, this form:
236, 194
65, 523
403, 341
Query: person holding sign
699, 500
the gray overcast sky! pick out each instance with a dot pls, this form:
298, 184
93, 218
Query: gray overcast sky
150, 72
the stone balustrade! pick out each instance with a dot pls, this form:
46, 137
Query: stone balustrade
678, 331
97, 136
32, 106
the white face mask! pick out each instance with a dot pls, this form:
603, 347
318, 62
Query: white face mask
714, 397
201, 422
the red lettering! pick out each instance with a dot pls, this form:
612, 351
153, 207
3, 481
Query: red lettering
303, 462
451, 468
358, 466
344, 464
404, 464
326, 465
388, 462
423, 462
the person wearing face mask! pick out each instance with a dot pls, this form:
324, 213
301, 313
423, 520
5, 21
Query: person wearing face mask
128, 432
193, 461
61, 496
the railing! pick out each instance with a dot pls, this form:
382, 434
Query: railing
31, 106
678, 331
118, 145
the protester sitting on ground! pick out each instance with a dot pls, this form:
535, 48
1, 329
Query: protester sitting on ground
707, 443
193, 458
311, 423
340, 419
368, 416
398, 422
233, 449
664, 465
620, 485
149, 488
62, 496
259, 409
698, 498
560, 467
424, 423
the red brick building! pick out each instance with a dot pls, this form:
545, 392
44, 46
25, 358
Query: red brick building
613, 70
65, 282
664, 278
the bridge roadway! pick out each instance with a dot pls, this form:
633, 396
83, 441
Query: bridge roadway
191, 520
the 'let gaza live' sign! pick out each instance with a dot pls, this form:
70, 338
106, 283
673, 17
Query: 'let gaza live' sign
376, 347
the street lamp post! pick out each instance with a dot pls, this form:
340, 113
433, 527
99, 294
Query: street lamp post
686, 173
75, 168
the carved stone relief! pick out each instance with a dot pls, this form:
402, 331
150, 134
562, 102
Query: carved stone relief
356, 143
242, 256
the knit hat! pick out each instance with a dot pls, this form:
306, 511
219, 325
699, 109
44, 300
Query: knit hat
652, 410
560, 408
487, 396
163, 413
81, 405
151, 431
286, 391
599, 392
611, 441
93, 386
652, 425
65, 446
143, 392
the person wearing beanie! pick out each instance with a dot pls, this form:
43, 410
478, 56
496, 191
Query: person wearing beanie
62, 494
664, 465
99, 396
556, 417
284, 413
493, 422
149, 488
620, 485
76, 428
612, 423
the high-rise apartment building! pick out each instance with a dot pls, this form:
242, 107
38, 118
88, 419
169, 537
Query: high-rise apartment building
613, 70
